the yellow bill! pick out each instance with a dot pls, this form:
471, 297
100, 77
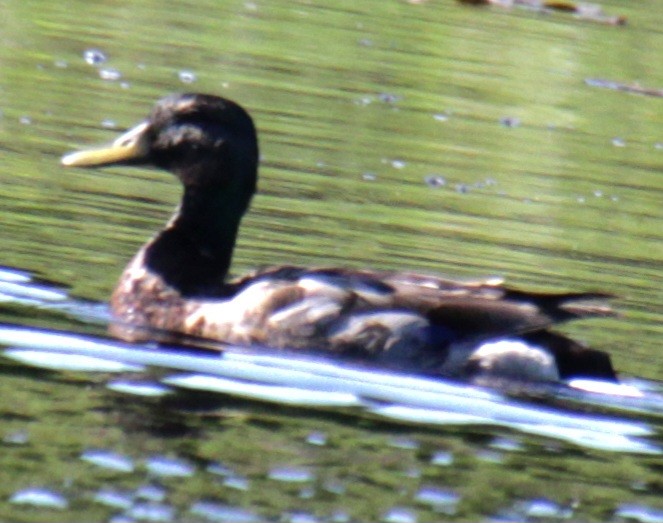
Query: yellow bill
131, 146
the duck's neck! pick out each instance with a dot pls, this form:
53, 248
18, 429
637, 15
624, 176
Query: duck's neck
193, 253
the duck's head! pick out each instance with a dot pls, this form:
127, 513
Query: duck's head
210, 144
205, 140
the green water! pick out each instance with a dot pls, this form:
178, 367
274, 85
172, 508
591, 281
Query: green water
356, 104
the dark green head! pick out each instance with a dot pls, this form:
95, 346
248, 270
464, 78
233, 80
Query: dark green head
208, 142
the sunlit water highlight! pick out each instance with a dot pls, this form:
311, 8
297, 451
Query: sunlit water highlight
317, 383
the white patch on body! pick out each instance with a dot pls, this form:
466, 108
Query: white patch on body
515, 359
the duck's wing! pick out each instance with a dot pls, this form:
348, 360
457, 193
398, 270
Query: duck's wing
488, 309
341, 304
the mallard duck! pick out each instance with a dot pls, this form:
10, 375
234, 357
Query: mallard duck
178, 281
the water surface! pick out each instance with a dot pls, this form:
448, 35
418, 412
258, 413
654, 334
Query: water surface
541, 177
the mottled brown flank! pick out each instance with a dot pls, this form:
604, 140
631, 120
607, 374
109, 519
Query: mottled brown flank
142, 302
380, 316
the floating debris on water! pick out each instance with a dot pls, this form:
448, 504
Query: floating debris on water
110, 74
435, 180
389, 98
510, 121
364, 101
94, 56
187, 77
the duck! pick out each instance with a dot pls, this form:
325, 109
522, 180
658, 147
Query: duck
179, 283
